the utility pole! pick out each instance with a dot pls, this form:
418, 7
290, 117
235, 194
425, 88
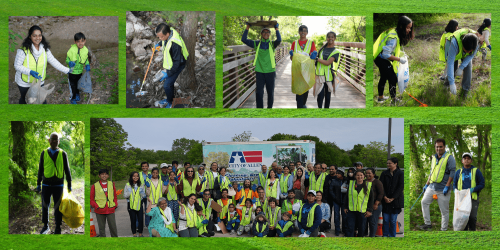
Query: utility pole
389, 140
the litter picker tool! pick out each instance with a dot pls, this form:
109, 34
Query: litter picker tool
421, 104
141, 93
425, 182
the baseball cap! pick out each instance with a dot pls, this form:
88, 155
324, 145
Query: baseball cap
163, 165
468, 154
312, 192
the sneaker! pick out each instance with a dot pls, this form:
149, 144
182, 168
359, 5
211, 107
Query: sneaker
442, 78
382, 100
169, 105
73, 101
232, 232
77, 97
305, 106
425, 227
163, 102
45, 230
322, 234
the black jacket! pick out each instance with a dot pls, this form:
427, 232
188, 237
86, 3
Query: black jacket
335, 193
393, 188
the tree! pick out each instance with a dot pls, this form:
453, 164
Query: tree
195, 154
188, 33
222, 158
282, 137
374, 154
243, 137
180, 148
353, 29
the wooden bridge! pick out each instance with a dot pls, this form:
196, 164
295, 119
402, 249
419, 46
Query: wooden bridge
239, 78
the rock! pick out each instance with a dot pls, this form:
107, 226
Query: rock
176, 85
158, 58
127, 44
136, 68
179, 91
210, 43
136, 28
138, 47
204, 49
197, 54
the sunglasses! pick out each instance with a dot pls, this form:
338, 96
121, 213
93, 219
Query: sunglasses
190, 171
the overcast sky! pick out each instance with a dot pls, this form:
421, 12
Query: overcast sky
159, 133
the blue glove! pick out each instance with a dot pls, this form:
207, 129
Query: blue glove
149, 176
425, 187
204, 179
445, 190
307, 175
276, 26
71, 64
294, 212
165, 76
35, 74
291, 52
314, 55
260, 234
241, 199
176, 179
38, 188
254, 187
147, 184
165, 183
308, 233
254, 200
302, 231
87, 67
238, 221
471, 190
204, 222
239, 187
281, 235
218, 219
158, 45
489, 47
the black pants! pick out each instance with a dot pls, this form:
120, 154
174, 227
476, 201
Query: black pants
272, 233
267, 80
324, 226
471, 225
134, 215
73, 82
386, 74
324, 94
24, 91
301, 100
56, 193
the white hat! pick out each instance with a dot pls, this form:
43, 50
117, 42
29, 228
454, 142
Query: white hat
468, 154
163, 165
312, 192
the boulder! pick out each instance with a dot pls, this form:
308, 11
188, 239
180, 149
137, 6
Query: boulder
138, 47
136, 28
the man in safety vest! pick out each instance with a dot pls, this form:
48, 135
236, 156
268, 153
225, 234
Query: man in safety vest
292, 206
264, 62
261, 181
104, 200
144, 176
211, 176
164, 172
438, 183
175, 56
306, 47
470, 177
317, 178
224, 203
261, 201
310, 216
245, 192
52, 167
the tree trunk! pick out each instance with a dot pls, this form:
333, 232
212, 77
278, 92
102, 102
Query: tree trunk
415, 160
188, 33
19, 183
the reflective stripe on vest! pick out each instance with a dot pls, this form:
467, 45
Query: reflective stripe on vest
210, 180
262, 178
206, 210
39, 66
472, 182
310, 215
273, 217
272, 191
442, 54
245, 195
246, 219
142, 178
135, 199
438, 174
258, 203
459, 35
223, 184
191, 216
155, 192
100, 196
271, 54
225, 208
288, 206
187, 188
176, 38
262, 229
172, 193
324, 70
358, 201
284, 183
49, 168
288, 224
169, 226
382, 41
317, 185
307, 47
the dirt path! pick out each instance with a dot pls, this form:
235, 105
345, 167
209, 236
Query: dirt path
102, 39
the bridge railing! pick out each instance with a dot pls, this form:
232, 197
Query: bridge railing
238, 72
352, 63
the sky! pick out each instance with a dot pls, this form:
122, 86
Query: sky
315, 24
159, 133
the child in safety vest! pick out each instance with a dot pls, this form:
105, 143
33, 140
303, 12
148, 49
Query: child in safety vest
485, 31
104, 200
246, 217
260, 226
233, 219
273, 214
202, 221
77, 57
285, 226
448, 31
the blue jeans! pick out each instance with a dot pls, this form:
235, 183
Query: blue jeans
168, 86
267, 80
356, 220
373, 220
336, 217
390, 221
324, 94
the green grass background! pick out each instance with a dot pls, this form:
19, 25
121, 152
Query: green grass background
432, 115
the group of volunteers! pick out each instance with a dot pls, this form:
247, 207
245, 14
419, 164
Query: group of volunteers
439, 185
34, 54
282, 200
326, 60
456, 44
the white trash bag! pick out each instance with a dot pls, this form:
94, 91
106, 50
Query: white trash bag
37, 93
461, 210
403, 75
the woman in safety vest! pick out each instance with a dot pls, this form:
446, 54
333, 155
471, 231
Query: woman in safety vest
189, 183
448, 31
272, 186
31, 61
358, 204
327, 64
221, 182
172, 195
393, 202
286, 182
162, 223
155, 187
188, 217
134, 193
485, 31
299, 183
386, 51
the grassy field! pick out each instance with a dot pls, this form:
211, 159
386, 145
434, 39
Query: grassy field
425, 68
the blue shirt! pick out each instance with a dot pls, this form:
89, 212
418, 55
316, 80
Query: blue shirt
388, 49
466, 179
306, 209
449, 171
451, 52
325, 211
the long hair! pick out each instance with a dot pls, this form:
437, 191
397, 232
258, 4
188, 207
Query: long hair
185, 172
186, 199
131, 181
27, 41
373, 171
401, 30
452, 26
363, 185
301, 178
486, 23
395, 161
324, 45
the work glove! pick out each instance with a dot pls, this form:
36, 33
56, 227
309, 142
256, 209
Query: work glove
260, 234
254, 200
277, 25
291, 52
87, 67
158, 45
489, 47
201, 193
204, 222
471, 190
38, 189
453, 89
302, 231
248, 24
294, 212
445, 190
71, 64
459, 72
402, 60
307, 175
203, 180
164, 77
281, 235
150, 176
425, 187
239, 187
314, 55
35, 74
176, 179
147, 184
165, 183
254, 187
218, 219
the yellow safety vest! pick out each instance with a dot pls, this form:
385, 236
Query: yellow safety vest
246, 219
310, 216
459, 35
176, 38
288, 206
472, 183
223, 184
172, 193
187, 188
288, 224
81, 57
438, 171
381, 42
258, 203
317, 185
155, 192
245, 196
272, 218
262, 229
484, 42
100, 196
271, 54
191, 216
272, 191
206, 210
39, 65
210, 179
143, 182
307, 47
135, 199
225, 208
324, 70
49, 168
262, 178
202, 228
444, 37
200, 178
284, 183
170, 226
358, 201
